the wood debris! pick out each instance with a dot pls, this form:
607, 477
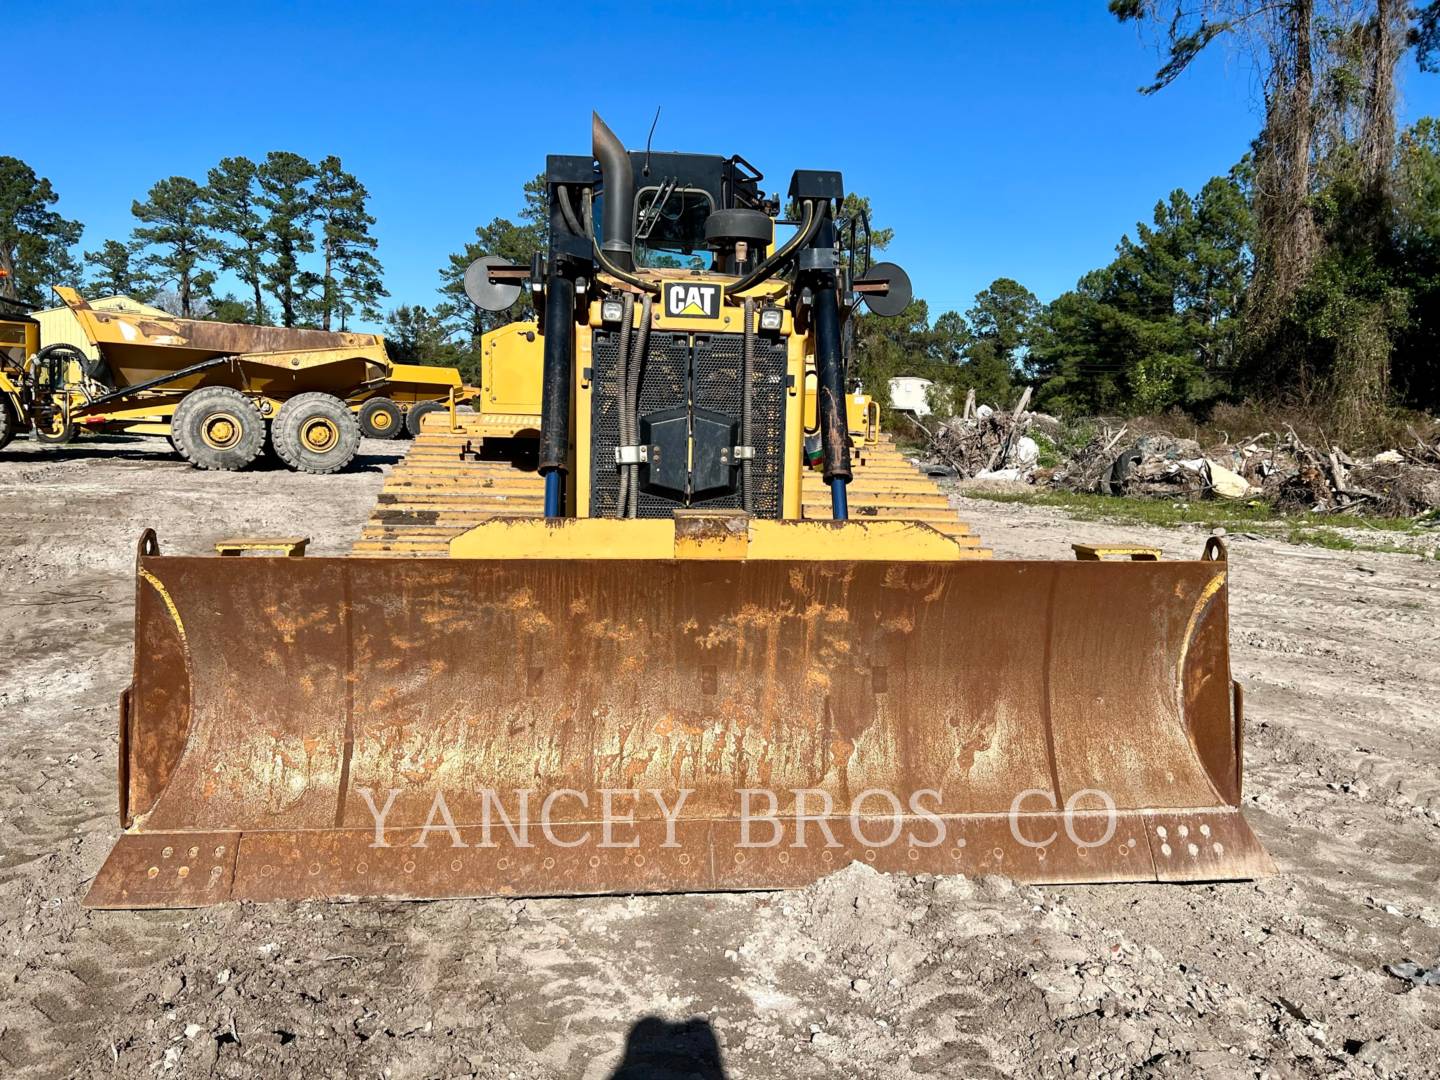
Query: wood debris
1279, 468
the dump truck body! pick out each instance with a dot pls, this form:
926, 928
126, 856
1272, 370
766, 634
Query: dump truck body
249, 378
411, 384
151, 363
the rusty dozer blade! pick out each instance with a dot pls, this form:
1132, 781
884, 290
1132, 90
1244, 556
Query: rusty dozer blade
346, 728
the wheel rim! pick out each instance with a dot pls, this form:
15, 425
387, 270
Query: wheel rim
319, 435
381, 420
222, 431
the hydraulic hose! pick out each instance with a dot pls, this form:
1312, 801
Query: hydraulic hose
746, 390
649, 287
567, 211
628, 435
637, 368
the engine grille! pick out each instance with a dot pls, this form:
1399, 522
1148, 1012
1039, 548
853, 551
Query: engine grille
679, 372
718, 361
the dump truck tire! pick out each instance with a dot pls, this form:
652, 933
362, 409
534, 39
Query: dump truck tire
269, 451
316, 433
217, 428
8, 424
418, 413
380, 418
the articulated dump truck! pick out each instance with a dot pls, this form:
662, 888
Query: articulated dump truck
219, 391
632, 626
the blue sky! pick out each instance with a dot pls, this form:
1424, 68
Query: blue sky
998, 139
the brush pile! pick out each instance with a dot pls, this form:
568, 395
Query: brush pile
1403, 482
1276, 467
985, 443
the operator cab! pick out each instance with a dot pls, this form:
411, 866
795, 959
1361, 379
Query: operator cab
677, 198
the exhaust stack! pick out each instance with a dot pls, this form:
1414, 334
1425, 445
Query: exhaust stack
618, 225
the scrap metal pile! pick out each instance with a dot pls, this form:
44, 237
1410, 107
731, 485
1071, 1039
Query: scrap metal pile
1275, 467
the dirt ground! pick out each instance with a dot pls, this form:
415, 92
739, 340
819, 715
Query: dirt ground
859, 975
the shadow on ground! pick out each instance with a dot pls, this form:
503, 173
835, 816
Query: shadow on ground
656, 1049
154, 450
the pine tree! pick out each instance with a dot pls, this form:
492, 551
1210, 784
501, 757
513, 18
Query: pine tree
351, 282
229, 308
1000, 325
178, 240
116, 269
234, 212
287, 195
35, 241
1160, 326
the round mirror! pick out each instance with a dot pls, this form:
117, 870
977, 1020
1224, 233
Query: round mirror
891, 300
485, 294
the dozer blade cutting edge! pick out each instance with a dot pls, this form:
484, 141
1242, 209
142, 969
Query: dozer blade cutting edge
295, 724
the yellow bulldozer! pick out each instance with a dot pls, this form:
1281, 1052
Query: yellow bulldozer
621, 630
218, 391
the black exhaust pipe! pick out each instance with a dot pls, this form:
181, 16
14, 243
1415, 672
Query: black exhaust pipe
618, 224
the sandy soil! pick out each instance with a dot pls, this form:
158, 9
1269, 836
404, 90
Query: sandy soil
859, 975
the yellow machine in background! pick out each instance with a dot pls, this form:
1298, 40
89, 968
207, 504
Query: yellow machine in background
218, 390
861, 410
655, 650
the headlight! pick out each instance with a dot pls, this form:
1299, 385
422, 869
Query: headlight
611, 310
770, 318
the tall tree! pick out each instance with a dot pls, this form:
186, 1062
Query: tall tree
287, 196
229, 308
949, 338
1000, 323
235, 213
179, 244
1425, 35
1279, 36
118, 269
1078, 351
35, 241
1158, 327
1323, 310
887, 346
1386, 36
1417, 375
351, 281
